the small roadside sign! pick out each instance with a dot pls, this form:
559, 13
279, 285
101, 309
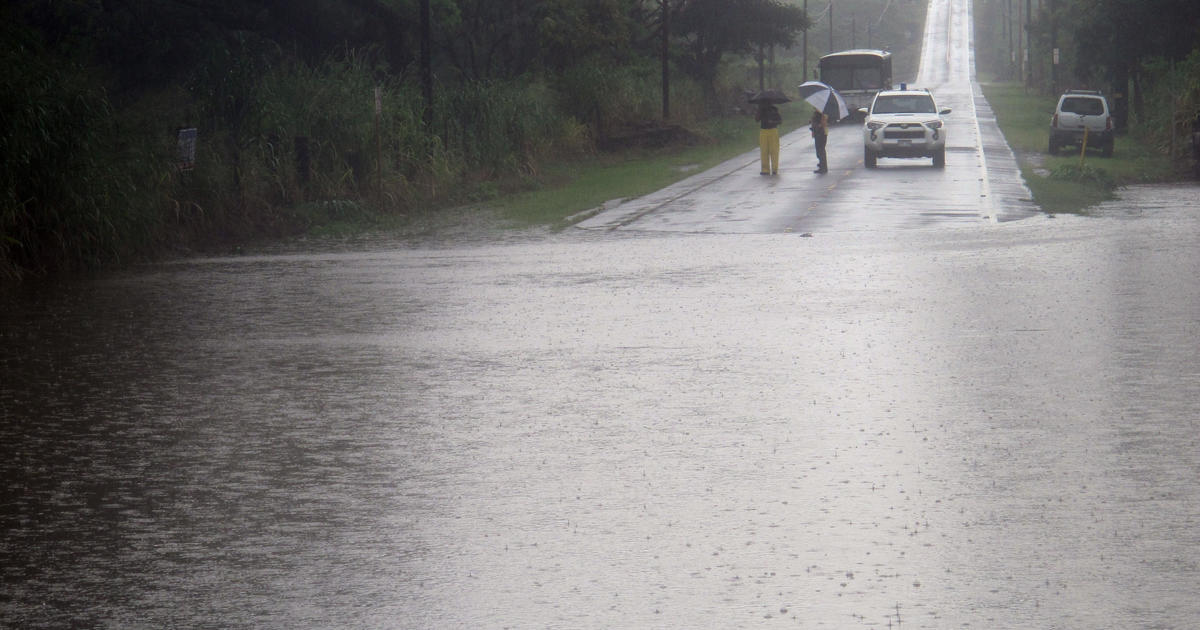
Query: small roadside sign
186, 151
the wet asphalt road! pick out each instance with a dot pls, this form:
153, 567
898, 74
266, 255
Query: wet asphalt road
912, 419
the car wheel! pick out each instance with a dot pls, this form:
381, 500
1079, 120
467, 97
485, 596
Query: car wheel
939, 157
868, 158
1053, 148
1107, 151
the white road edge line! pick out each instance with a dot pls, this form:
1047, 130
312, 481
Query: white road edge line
985, 183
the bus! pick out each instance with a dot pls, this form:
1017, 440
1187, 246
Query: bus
857, 75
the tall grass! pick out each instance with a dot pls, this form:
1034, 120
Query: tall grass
393, 163
76, 183
1172, 105
283, 146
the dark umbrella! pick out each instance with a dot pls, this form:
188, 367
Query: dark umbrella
824, 98
770, 97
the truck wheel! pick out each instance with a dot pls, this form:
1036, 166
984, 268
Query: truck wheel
1107, 151
1053, 148
939, 157
868, 158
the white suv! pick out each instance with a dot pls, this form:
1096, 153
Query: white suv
904, 124
1081, 111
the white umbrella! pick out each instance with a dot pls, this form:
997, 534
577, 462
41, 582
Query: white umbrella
824, 98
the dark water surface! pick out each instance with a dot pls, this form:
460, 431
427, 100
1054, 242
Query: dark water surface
992, 426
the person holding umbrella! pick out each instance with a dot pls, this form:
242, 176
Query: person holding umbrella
769, 119
827, 105
819, 125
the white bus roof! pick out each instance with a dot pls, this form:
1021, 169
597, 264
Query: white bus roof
858, 51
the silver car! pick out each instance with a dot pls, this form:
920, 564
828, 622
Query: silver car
1082, 115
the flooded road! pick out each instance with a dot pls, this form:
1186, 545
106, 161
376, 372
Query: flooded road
991, 426
950, 421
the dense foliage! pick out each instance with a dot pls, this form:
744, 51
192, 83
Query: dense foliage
309, 109
283, 94
1144, 53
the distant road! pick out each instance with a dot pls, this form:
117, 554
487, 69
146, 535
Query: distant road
981, 181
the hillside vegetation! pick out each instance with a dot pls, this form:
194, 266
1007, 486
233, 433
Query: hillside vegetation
311, 112
1145, 55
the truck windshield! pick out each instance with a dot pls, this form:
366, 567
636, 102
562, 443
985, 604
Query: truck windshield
904, 104
845, 78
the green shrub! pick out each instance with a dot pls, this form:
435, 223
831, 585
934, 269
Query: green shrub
1085, 174
1172, 103
79, 190
87, 182
604, 97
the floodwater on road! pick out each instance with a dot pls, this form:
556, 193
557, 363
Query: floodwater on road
952, 426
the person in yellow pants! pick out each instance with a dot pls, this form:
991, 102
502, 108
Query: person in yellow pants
769, 119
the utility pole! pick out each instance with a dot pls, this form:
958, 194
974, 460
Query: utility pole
378, 144
665, 6
1012, 55
1028, 43
761, 61
1020, 46
426, 66
771, 65
804, 72
830, 25
1053, 48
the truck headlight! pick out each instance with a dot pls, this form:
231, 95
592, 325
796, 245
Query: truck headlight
874, 125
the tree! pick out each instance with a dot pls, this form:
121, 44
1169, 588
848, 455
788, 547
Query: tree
1115, 38
486, 39
156, 42
572, 30
707, 30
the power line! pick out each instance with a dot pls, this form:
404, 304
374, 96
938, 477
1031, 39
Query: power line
822, 14
883, 13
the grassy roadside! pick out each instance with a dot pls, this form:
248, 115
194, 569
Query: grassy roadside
572, 187
560, 190
1060, 183
1067, 183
